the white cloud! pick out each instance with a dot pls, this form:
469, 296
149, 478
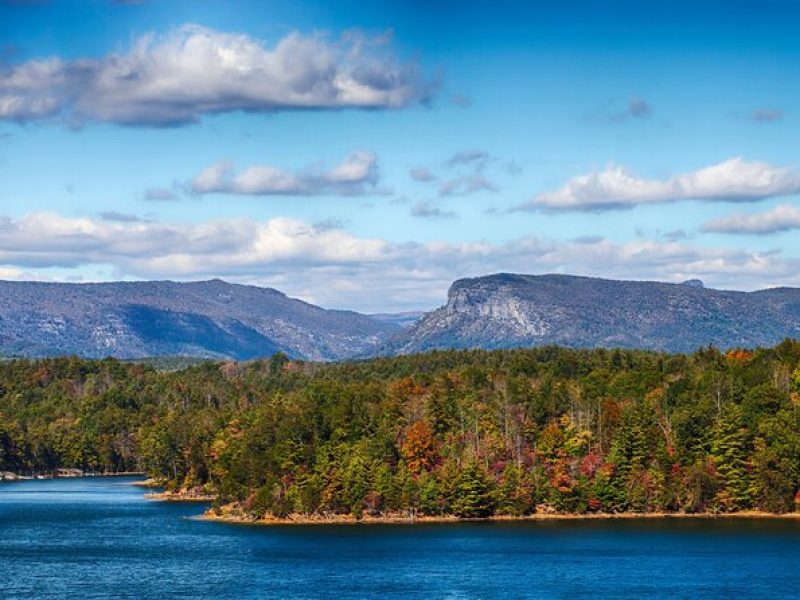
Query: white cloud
193, 71
783, 217
332, 267
734, 180
356, 175
14, 274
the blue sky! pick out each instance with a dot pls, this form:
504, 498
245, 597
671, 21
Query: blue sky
364, 155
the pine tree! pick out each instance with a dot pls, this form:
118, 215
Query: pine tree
629, 453
430, 494
513, 496
728, 450
356, 481
473, 494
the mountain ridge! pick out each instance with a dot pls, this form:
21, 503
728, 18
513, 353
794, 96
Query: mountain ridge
212, 319
220, 320
506, 310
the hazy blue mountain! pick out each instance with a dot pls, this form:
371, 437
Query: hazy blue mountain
159, 318
403, 319
506, 310
215, 319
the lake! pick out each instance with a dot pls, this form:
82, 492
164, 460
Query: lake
100, 538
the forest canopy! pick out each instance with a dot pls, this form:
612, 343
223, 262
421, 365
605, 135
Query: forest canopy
463, 433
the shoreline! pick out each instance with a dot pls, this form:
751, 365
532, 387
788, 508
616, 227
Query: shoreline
7, 476
398, 519
166, 496
229, 514
163, 495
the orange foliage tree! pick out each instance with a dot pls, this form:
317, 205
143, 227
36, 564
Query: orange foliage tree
419, 448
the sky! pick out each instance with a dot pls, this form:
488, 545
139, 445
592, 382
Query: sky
364, 155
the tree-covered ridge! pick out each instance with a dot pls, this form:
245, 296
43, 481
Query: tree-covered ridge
470, 434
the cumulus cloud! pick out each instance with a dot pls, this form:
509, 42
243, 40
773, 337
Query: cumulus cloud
333, 267
733, 180
428, 210
49, 240
784, 217
177, 78
356, 175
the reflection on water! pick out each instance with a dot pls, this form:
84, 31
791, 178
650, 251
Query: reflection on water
99, 538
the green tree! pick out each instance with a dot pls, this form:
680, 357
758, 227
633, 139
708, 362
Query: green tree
729, 452
473, 493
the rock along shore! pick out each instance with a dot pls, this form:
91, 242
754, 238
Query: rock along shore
234, 514
400, 519
63, 474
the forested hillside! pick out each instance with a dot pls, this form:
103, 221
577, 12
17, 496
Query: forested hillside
470, 434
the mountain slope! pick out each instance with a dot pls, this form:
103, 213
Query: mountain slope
506, 310
402, 319
157, 318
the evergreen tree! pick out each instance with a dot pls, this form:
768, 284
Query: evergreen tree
473, 493
729, 452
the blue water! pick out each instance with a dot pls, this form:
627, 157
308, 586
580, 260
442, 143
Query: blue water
99, 538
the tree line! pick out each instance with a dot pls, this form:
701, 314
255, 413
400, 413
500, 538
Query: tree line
464, 433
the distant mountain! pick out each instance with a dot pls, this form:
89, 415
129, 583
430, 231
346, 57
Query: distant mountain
403, 319
506, 310
214, 319
205, 319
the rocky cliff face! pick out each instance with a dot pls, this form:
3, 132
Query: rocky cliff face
206, 319
503, 311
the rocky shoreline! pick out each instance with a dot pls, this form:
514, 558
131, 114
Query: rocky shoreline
399, 519
183, 495
233, 514
167, 496
63, 474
